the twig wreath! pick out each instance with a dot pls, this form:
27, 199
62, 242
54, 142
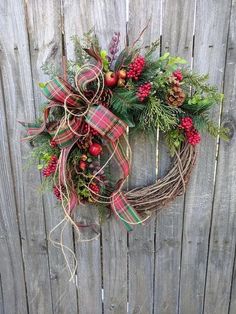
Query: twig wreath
89, 110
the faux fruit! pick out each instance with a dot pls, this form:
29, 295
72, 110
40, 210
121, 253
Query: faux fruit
95, 149
111, 79
122, 74
121, 82
82, 165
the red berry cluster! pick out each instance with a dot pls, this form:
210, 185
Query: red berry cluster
57, 193
136, 68
178, 75
193, 137
186, 123
51, 166
85, 129
144, 91
191, 133
53, 143
94, 187
93, 132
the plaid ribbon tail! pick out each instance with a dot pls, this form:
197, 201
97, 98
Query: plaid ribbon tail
124, 211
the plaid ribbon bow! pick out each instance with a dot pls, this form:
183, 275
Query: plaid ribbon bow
58, 91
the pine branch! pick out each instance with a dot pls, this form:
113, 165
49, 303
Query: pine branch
204, 123
158, 115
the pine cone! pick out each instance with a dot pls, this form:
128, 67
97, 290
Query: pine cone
105, 98
176, 95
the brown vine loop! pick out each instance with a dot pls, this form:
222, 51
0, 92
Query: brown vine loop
156, 196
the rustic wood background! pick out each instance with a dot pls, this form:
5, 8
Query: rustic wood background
181, 262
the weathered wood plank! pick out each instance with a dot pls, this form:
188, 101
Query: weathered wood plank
17, 86
89, 255
114, 238
209, 56
223, 229
12, 281
46, 46
143, 172
177, 38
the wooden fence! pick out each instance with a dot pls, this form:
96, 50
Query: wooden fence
182, 262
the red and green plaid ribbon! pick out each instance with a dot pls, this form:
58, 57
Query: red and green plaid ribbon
103, 121
124, 211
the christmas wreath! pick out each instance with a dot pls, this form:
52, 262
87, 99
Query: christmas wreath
88, 112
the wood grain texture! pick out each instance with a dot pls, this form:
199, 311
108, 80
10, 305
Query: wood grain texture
114, 236
46, 47
19, 101
223, 228
177, 38
12, 292
143, 172
209, 57
89, 254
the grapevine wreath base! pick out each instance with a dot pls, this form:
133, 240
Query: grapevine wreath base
90, 109
156, 196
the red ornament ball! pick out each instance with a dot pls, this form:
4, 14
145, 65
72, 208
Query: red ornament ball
95, 149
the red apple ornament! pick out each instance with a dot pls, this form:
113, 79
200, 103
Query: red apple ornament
95, 149
111, 79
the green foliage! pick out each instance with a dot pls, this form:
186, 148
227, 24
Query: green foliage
42, 151
204, 123
125, 104
174, 138
151, 49
50, 69
158, 115
105, 62
201, 102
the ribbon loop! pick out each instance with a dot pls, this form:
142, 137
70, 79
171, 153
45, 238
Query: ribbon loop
105, 122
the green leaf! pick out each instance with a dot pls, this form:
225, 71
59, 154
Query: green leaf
42, 85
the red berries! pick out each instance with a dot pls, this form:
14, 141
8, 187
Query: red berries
193, 137
94, 187
57, 193
51, 166
186, 123
95, 149
136, 68
178, 75
191, 133
53, 143
144, 91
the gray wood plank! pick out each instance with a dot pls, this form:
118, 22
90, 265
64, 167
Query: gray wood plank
12, 281
177, 38
89, 255
209, 57
114, 237
17, 85
223, 228
143, 172
47, 47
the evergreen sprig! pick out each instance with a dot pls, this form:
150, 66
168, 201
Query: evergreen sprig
158, 115
125, 104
